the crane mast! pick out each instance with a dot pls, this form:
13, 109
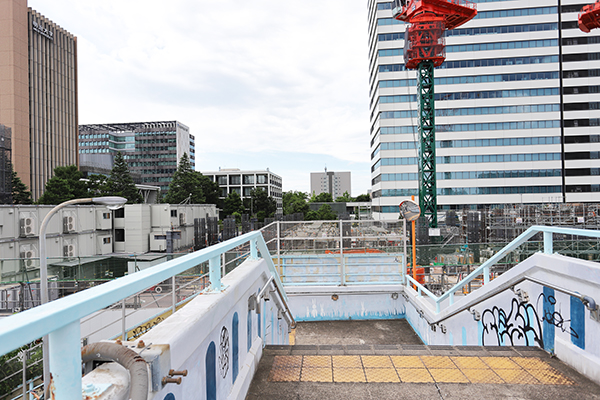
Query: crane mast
424, 49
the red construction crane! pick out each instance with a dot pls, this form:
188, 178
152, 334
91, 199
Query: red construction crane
424, 49
589, 17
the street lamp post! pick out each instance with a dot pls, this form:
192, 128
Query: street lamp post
113, 202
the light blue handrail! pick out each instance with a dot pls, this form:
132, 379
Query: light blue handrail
60, 318
484, 268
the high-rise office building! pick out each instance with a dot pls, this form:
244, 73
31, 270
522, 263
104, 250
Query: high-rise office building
334, 183
516, 109
5, 169
151, 149
38, 92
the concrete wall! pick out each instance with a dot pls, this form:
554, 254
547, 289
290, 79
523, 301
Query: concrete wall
529, 314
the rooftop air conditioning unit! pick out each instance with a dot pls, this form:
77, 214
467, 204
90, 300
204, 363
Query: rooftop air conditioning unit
27, 226
68, 224
69, 250
27, 256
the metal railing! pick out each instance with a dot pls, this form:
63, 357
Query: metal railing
484, 269
60, 319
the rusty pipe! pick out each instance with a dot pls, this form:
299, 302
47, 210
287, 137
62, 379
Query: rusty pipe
129, 359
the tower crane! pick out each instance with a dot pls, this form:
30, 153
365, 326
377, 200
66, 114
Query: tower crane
424, 49
589, 17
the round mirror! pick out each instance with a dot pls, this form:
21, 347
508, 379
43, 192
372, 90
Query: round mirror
410, 210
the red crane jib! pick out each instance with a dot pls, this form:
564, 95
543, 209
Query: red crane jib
427, 20
455, 12
589, 17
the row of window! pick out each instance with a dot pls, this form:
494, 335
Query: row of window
154, 141
153, 179
444, 144
148, 155
461, 80
468, 191
156, 171
480, 63
474, 159
529, 173
152, 163
237, 179
487, 94
450, 112
487, 126
93, 151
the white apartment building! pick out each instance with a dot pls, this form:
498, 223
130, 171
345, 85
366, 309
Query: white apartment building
87, 231
517, 104
243, 182
334, 183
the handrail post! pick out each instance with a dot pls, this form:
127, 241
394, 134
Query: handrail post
253, 250
173, 295
548, 243
342, 260
123, 322
486, 274
404, 239
214, 274
278, 239
65, 362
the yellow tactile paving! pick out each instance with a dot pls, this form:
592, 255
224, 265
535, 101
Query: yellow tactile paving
285, 374
287, 361
316, 375
349, 375
407, 362
414, 375
381, 375
550, 376
482, 375
530, 363
438, 362
347, 362
448, 375
317, 362
416, 369
517, 376
500, 363
469, 363
376, 362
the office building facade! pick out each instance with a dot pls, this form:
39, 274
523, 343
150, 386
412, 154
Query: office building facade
243, 182
38, 92
334, 183
152, 149
516, 109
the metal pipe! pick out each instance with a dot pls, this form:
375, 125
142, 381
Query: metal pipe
129, 359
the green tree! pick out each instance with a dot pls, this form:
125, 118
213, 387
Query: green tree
120, 182
324, 213
362, 198
233, 204
321, 198
261, 204
20, 193
295, 202
210, 189
345, 198
186, 184
96, 185
65, 185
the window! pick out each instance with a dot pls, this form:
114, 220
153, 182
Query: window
261, 178
106, 240
222, 180
120, 213
119, 235
174, 213
106, 215
235, 180
248, 179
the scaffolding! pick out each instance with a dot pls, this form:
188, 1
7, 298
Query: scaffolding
5, 166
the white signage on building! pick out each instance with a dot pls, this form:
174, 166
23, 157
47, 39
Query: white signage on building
42, 31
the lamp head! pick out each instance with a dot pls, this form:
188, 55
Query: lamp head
112, 202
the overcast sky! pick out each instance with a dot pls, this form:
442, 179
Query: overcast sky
261, 84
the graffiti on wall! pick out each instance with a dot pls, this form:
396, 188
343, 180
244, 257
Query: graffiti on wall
224, 352
520, 326
554, 317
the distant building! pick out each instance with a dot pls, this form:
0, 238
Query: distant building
334, 183
5, 170
243, 182
151, 149
38, 96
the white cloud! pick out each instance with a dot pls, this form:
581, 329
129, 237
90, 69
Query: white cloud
244, 76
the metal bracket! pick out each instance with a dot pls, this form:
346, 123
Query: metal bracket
476, 315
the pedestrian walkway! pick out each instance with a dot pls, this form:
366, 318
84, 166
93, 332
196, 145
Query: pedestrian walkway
409, 371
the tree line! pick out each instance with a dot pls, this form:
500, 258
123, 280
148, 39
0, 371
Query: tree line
298, 202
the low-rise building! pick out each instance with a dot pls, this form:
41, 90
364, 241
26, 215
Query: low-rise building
243, 182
